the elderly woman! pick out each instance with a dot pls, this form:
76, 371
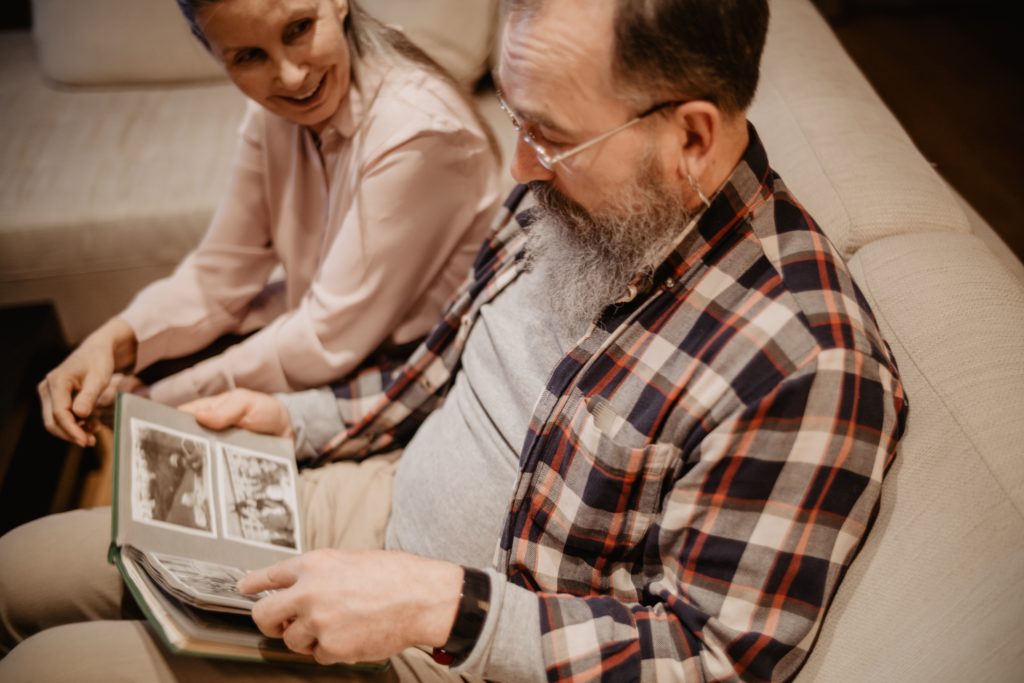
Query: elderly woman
361, 171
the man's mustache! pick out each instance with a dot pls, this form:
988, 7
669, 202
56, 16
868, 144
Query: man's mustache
557, 204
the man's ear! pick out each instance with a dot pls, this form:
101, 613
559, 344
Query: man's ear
698, 128
342, 6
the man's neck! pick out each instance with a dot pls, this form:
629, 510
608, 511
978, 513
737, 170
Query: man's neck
732, 146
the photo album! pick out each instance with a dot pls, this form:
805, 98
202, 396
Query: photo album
194, 510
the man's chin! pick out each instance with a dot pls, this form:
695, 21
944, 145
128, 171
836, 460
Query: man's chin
580, 271
589, 260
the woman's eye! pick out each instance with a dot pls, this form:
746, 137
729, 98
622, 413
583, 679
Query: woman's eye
243, 57
298, 29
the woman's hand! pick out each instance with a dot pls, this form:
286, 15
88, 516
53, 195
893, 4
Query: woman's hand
121, 384
242, 408
69, 393
356, 606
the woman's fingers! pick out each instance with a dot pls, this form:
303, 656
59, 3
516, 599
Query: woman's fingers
55, 394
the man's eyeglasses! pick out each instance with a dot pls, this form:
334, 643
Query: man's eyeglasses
549, 160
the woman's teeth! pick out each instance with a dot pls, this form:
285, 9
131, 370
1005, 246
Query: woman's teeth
306, 96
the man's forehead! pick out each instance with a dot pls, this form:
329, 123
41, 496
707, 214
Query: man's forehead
564, 48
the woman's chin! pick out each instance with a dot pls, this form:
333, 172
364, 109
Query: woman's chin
315, 117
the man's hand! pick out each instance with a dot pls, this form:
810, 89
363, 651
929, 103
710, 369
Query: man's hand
242, 408
356, 606
69, 392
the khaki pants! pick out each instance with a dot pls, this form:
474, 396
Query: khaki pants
67, 616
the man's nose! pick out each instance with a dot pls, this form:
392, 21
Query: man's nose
525, 165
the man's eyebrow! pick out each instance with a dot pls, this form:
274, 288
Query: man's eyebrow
545, 122
527, 116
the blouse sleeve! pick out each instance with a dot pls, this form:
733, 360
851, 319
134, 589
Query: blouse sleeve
419, 204
214, 288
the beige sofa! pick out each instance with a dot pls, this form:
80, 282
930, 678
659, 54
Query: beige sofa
937, 593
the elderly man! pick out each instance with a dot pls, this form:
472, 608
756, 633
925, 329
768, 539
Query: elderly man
644, 442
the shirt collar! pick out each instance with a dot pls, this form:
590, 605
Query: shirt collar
743, 191
367, 79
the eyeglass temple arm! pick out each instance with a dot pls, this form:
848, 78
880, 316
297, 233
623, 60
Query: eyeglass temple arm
604, 136
590, 143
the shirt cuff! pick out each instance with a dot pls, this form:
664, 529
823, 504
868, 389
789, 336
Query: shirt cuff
177, 389
509, 647
315, 420
206, 378
149, 347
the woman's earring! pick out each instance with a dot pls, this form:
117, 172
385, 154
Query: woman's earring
700, 192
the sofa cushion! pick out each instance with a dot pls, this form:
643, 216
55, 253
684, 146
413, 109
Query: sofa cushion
95, 42
937, 592
835, 143
457, 33
90, 42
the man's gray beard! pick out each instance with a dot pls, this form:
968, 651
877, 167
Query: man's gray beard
588, 260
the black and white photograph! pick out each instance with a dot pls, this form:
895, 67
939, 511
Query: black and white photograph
259, 498
171, 479
204, 580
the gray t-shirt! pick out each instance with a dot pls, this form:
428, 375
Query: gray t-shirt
454, 481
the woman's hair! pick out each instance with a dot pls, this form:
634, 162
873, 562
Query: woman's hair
366, 36
191, 8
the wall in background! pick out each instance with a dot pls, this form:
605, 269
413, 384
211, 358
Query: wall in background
15, 14
838, 8
953, 74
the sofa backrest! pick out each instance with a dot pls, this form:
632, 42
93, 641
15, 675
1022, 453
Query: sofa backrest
836, 144
937, 592
118, 42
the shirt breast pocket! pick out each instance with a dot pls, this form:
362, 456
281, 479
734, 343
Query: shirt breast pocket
618, 480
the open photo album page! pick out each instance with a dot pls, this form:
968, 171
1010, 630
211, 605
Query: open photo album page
212, 489
224, 498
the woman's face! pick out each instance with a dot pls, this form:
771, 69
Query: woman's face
291, 56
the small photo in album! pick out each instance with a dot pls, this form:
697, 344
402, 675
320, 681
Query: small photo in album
258, 494
171, 474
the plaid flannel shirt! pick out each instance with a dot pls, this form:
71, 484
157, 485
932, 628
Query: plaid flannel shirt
702, 467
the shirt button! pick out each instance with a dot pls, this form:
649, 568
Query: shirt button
425, 383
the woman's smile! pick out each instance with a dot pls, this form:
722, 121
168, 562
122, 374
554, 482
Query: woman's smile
291, 56
309, 98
